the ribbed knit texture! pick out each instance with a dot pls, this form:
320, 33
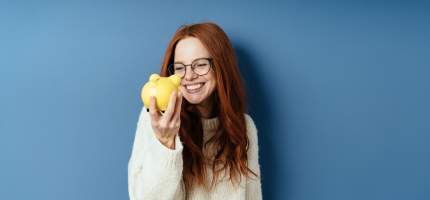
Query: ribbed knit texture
155, 171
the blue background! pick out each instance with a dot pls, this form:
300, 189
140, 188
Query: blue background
339, 91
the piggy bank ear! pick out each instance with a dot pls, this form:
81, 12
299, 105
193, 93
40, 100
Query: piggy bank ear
154, 77
176, 80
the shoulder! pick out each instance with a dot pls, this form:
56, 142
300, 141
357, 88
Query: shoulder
143, 116
249, 121
251, 127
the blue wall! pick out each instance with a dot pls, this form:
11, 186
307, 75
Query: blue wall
339, 92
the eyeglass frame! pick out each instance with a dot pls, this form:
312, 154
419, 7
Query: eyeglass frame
172, 65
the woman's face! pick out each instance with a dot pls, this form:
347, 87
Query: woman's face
195, 88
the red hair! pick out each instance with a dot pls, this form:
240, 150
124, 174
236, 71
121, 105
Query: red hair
231, 140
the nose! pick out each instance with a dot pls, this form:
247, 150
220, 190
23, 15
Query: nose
189, 74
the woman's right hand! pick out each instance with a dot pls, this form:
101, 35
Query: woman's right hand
166, 126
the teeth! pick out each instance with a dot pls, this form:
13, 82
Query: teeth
194, 86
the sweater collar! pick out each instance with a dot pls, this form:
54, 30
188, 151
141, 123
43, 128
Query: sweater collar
210, 124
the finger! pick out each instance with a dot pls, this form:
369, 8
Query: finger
170, 108
155, 115
178, 108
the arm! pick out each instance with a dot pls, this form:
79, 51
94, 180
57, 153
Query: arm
154, 171
253, 185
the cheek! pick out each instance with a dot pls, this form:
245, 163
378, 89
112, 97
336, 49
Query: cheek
211, 86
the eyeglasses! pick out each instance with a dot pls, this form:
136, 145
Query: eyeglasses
200, 66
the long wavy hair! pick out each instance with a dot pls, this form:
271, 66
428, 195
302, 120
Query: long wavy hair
230, 139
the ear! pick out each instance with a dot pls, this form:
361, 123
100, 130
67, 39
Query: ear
154, 77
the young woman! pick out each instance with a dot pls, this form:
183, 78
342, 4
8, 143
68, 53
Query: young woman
204, 146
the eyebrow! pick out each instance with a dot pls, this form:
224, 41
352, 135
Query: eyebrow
193, 60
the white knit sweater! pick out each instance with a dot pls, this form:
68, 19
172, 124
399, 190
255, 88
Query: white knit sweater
155, 171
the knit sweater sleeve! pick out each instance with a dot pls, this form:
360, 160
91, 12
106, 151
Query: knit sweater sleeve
154, 171
253, 185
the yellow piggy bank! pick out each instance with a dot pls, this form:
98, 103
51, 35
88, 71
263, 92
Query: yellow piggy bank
161, 88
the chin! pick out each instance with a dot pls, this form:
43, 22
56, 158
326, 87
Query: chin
194, 100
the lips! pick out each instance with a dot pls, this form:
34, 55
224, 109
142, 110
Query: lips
193, 87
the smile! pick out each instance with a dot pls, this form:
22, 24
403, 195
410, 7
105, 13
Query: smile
193, 88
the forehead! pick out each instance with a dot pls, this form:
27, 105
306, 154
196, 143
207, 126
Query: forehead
189, 49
